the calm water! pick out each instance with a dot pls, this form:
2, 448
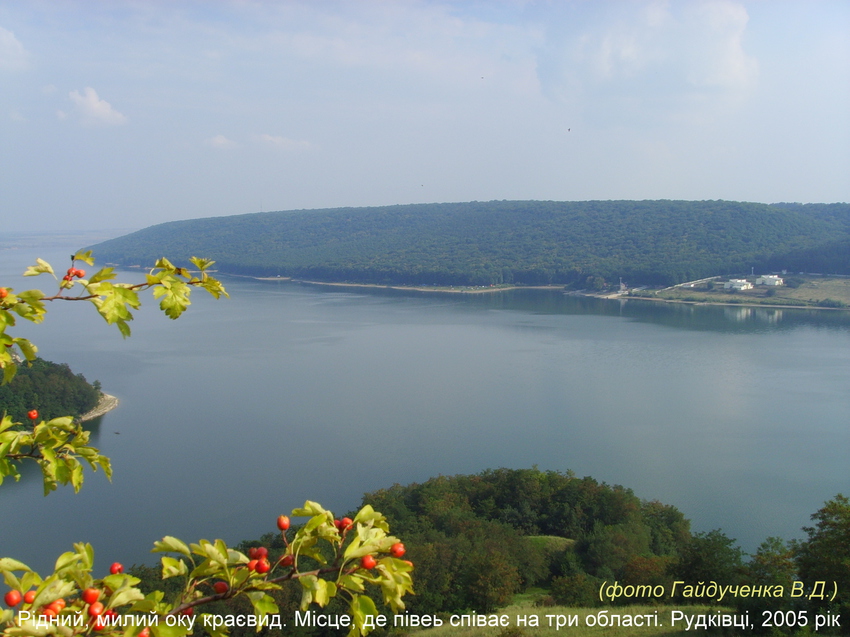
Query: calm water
246, 407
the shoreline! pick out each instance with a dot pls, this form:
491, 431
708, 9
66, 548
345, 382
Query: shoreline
507, 287
106, 404
462, 289
721, 304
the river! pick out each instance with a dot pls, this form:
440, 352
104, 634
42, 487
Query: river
245, 407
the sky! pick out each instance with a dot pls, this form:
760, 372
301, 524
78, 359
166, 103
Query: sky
126, 114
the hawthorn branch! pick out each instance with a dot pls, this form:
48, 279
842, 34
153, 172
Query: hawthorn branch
234, 592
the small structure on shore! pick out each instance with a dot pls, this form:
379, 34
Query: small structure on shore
737, 284
770, 280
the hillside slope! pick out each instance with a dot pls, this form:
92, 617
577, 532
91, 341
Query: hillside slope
529, 242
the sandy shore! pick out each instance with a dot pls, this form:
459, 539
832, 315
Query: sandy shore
105, 404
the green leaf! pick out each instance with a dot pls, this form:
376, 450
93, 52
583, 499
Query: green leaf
104, 274
309, 509
175, 297
165, 264
113, 300
201, 264
66, 559
362, 606
170, 544
27, 348
263, 605
11, 580
125, 596
50, 591
41, 267
352, 583
85, 257
86, 553
172, 567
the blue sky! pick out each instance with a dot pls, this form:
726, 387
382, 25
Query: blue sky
126, 114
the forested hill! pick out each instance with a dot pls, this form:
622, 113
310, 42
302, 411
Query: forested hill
50, 388
528, 242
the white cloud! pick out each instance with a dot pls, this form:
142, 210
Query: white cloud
60, 114
95, 110
220, 141
283, 142
670, 59
13, 56
718, 57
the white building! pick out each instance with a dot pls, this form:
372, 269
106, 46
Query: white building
769, 279
737, 284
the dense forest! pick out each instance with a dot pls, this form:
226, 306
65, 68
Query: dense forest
477, 540
50, 388
496, 242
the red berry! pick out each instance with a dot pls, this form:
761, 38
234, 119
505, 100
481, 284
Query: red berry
345, 523
188, 611
116, 568
90, 595
96, 609
283, 522
287, 560
99, 623
263, 566
252, 553
32, 414
48, 612
146, 632
80, 273
338, 524
13, 598
368, 562
29, 597
262, 552
57, 606
397, 549
3, 293
72, 271
252, 565
221, 587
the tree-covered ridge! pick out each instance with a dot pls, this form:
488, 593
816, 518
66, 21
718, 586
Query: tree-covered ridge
50, 388
478, 539
527, 242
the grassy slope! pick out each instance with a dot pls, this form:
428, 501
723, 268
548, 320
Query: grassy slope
813, 290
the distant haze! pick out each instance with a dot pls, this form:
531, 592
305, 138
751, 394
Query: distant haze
127, 114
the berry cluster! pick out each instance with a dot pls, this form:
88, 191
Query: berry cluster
89, 600
98, 601
74, 272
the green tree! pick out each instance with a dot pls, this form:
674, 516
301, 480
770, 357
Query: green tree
710, 556
824, 556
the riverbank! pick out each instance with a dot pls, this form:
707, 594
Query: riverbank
486, 289
106, 404
448, 289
